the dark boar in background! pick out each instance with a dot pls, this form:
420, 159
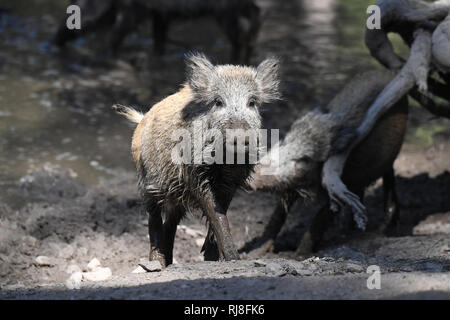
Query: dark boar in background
239, 19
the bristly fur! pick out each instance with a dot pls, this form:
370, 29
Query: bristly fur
129, 113
266, 74
203, 77
319, 134
164, 183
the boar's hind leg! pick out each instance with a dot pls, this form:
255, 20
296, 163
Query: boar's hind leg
314, 234
219, 230
390, 225
155, 232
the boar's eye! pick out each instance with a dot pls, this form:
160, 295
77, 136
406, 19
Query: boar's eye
218, 102
252, 103
304, 160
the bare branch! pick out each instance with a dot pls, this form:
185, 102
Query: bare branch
402, 17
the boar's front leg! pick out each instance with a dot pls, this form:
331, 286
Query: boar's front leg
218, 243
314, 234
390, 225
155, 232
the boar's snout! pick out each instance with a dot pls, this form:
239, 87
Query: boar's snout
236, 124
240, 137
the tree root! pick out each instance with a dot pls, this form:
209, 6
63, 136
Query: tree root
414, 72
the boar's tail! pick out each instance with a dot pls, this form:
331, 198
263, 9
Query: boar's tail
129, 113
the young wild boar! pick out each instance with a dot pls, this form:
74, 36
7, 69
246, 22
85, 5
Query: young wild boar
221, 98
320, 133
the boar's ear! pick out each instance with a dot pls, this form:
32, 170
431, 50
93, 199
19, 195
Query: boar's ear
267, 78
199, 72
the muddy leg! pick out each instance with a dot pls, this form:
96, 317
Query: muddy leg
218, 223
173, 216
314, 234
156, 234
390, 225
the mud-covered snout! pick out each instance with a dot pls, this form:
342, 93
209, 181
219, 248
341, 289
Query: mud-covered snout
241, 137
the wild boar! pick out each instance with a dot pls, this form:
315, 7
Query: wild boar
321, 133
221, 98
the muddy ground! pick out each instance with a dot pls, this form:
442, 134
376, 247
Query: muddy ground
71, 223
68, 190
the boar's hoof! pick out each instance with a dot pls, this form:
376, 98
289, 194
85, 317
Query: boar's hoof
157, 256
230, 254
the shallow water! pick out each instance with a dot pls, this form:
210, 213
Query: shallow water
55, 107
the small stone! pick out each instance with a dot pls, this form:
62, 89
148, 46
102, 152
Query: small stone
93, 264
29, 240
100, 274
94, 163
150, 266
66, 252
73, 268
260, 263
304, 272
353, 267
74, 282
82, 251
139, 269
44, 261
275, 269
312, 267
